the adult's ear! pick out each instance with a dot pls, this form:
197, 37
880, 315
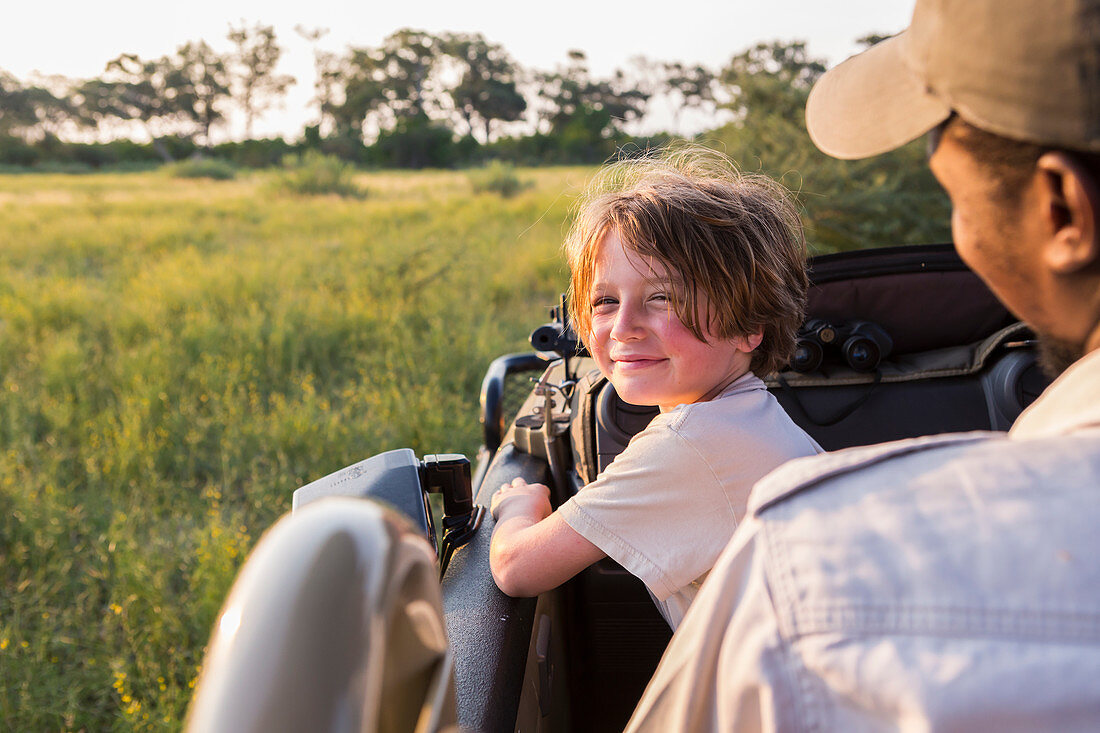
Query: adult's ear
1071, 197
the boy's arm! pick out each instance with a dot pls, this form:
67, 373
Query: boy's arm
533, 550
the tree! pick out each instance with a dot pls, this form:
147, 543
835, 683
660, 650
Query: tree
571, 93
487, 89
888, 199
692, 85
179, 94
389, 83
151, 93
253, 65
32, 111
619, 98
15, 111
326, 66
772, 78
203, 83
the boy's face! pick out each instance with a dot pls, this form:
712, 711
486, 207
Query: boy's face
641, 345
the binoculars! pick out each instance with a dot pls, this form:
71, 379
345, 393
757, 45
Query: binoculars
861, 344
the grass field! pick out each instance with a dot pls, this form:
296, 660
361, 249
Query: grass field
176, 356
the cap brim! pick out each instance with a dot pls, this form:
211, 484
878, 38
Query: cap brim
871, 103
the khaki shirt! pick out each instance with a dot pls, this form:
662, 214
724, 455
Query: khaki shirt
942, 583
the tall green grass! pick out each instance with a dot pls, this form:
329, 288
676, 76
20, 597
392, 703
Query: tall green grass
177, 355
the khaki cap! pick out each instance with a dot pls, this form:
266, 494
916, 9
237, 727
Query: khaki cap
1023, 69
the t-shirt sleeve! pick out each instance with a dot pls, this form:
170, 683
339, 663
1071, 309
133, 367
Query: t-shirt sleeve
658, 509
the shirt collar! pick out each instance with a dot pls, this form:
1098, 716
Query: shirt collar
745, 383
1071, 403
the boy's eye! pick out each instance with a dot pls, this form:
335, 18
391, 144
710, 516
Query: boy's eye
602, 301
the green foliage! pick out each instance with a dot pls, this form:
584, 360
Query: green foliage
116, 155
585, 135
253, 68
400, 88
415, 142
176, 358
885, 200
204, 85
73, 167
255, 153
183, 91
499, 178
387, 83
201, 167
313, 173
17, 152
488, 89
26, 108
574, 98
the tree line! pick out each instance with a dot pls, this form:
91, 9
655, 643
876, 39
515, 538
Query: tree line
416, 88
451, 100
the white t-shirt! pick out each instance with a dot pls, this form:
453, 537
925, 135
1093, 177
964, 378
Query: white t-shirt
666, 507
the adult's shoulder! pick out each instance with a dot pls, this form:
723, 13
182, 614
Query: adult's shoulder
888, 536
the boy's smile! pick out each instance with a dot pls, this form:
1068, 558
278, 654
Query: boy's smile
641, 345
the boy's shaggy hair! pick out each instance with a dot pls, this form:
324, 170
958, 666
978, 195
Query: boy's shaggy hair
734, 237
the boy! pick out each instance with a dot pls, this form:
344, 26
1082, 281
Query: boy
687, 285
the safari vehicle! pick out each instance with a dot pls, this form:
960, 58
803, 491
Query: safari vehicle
334, 623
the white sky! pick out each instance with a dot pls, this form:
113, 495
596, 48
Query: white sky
76, 38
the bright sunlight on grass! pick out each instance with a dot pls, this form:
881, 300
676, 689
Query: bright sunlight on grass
177, 355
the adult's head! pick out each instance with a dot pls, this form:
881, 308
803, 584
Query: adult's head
733, 240
1010, 90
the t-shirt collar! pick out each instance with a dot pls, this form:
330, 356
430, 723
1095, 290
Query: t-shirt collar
745, 383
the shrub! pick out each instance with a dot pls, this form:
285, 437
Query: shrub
313, 173
218, 170
16, 152
415, 143
498, 177
71, 167
259, 153
346, 146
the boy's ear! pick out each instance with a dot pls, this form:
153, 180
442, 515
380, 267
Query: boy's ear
749, 343
1070, 196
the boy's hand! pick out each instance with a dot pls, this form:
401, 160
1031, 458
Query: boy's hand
533, 549
521, 499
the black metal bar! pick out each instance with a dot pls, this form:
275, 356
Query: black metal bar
492, 393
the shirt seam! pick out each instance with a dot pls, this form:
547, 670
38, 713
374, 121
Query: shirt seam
778, 576
716, 483
1054, 624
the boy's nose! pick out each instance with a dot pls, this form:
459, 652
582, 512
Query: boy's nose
627, 325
